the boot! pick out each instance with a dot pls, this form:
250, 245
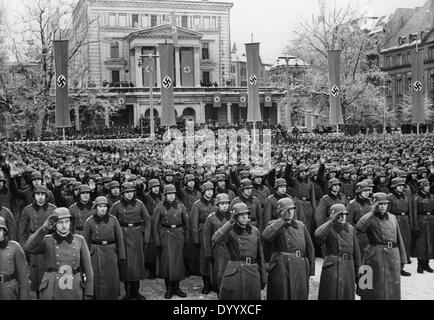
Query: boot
405, 273
152, 274
135, 286
127, 291
169, 292
206, 285
427, 267
178, 291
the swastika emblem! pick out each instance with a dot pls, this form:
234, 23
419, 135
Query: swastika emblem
167, 82
253, 79
148, 69
267, 99
121, 100
217, 99
187, 69
61, 81
417, 86
243, 99
335, 91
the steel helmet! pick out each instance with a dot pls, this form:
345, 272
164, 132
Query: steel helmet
222, 197
285, 203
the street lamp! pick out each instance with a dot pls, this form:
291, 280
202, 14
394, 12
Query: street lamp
288, 57
150, 70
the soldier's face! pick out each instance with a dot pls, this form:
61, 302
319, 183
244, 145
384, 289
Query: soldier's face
169, 178
247, 192
40, 197
346, 175
400, 188
336, 188
426, 189
209, 193
101, 209
170, 197
414, 176
332, 175
364, 194
221, 184
190, 184
243, 219
129, 195
155, 190
288, 214
224, 206
382, 207
36, 182
62, 226
258, 180
2, 184
423, 175
382, 179
116, 191
106, 185
281, 190
353, 176
85, 196
302, 174
342, 218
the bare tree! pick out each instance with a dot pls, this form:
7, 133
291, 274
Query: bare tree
339, 28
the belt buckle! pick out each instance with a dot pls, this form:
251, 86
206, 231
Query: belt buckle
389, 245
2, 278
304, 198
248, 260
173, 226
428, 213
403, 214
130, 225
345, 256
104, 243
298, 254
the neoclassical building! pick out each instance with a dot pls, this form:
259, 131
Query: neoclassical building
112, 39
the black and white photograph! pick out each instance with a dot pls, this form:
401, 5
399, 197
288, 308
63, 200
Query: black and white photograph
216, 155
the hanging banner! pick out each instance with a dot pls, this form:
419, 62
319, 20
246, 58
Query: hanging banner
122, 101
268, 100
417, 98
334, 60
254, 108
63, 118
167, 79
243, 100
217, 99
187, 67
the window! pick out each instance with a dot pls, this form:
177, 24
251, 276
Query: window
206, 23
145, 21
205, 77
196, 22
205, 51
166, 18
399, 87
184, 22
116, 76
232, 68
409, 57
408, 84
431, 82
112, 19
135, 20
214, 23
122, 20
431, 53
114, 50
399, 59
389, 88
153, 20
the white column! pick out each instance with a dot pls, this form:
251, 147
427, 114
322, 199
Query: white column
136, 114
139, 78
201, 115
229, 111
158, 68
177, 68
77, 118
197, 66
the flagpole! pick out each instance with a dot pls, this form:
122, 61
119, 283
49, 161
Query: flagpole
64, 134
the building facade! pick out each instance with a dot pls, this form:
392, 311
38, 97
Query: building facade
113, 39
407, 31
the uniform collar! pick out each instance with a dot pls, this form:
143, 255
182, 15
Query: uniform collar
59, 238
291, 223
245, 199
4, 243
239, 229
98, 219
169, 205
37, 207
207, 202
382, 217
339, 227
126, 202
88, 205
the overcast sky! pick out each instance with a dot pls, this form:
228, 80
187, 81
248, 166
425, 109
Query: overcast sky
273, 21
